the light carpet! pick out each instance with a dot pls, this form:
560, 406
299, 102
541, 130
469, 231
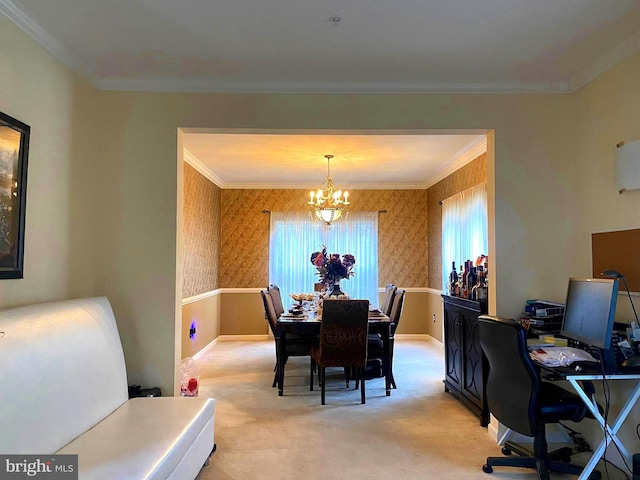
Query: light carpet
419, 432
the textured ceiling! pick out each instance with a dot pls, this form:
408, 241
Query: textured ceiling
294, 46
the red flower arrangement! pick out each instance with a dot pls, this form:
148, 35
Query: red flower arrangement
331, 268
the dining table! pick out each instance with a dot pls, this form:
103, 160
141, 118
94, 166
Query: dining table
309, 323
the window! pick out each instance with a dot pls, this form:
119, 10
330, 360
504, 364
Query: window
294, 237
464, 228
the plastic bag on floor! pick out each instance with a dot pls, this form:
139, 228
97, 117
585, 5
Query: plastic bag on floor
190, 378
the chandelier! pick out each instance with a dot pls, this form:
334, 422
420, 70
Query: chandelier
328, 202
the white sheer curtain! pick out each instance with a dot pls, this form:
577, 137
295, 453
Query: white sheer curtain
294, 237
464, 228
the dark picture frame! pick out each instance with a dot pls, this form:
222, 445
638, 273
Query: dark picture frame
14, 155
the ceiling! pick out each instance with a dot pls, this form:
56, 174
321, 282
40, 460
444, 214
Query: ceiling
296, 160
330, 46
301, 46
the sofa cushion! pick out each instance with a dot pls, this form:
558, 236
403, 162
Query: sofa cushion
62, 372
146, 438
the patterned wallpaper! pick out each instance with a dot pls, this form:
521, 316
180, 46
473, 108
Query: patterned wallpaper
227, 235
201, 212
471, 174
402, 233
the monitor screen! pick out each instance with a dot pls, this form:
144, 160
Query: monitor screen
589, 311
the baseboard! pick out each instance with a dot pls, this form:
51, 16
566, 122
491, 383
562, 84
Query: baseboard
246, 338
413, 336
424, 337
205, 349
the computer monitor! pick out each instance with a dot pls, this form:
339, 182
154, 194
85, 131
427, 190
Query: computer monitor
589, 314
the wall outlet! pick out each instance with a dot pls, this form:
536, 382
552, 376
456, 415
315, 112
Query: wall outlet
434, 318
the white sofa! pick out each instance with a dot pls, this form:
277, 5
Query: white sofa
63, 389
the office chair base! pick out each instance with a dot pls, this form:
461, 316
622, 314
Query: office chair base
562, 454
543, 467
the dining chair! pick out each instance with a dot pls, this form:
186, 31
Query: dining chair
296, 345
274, 291
387, 299
376, 347
385, 307
343, 340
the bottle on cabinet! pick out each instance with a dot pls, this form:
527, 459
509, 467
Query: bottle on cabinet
453, 280
481, 286
464, 284
471, 281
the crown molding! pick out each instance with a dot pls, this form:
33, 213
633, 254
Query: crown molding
70, 58
604, 63
201, 168
466, 157
50, 43
298, 186
177, 85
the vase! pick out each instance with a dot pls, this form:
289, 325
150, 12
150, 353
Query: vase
335, 289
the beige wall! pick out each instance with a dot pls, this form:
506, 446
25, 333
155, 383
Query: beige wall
606, 113
204, 315
117, 236
242, 313
61, 205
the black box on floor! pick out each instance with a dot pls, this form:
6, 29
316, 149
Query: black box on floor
136, 391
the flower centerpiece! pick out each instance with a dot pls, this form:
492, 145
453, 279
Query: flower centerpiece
332, 268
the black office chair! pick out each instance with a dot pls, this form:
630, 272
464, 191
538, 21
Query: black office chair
522, 401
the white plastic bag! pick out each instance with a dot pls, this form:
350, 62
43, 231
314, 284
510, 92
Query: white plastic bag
190, 378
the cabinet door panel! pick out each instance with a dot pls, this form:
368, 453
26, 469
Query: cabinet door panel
453, 346
473, 377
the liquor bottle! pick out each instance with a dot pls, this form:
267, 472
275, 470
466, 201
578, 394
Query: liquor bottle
465, 274
474, 290
471, 281
473, 278
453, 279
459, 284
482, 290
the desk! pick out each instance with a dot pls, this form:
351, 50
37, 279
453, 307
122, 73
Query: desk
574, 378
611, 430
310, 324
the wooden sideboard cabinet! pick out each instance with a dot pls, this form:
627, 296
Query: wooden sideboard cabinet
466, 366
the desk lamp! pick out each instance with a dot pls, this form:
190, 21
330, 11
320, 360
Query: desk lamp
617, 274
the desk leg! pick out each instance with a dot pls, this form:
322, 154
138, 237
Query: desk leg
611, 431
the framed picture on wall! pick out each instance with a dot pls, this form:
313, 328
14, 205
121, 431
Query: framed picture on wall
14, 153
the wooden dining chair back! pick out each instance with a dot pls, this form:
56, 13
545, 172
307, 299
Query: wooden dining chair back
396, 307
343, 339
295, 346
376, 347
276, 298
269, 310
387, 299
